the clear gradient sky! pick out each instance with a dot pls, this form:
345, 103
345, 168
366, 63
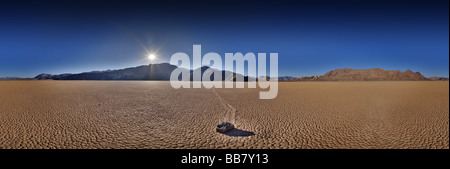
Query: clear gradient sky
312, 37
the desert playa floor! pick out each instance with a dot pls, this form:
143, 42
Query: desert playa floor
151, 114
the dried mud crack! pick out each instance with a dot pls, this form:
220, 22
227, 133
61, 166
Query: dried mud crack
153, 115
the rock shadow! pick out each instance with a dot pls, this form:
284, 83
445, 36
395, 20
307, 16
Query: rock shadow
239, 133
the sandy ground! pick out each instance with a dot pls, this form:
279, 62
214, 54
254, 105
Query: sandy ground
143, 114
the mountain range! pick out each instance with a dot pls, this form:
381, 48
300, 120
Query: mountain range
146, 72
375, 74
163, 71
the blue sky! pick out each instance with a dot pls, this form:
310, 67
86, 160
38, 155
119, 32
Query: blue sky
311, 37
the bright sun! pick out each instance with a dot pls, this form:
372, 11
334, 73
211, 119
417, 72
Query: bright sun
151, 56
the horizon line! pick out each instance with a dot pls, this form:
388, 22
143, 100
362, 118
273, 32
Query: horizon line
5, 77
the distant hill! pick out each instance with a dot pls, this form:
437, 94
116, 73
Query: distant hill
375, 74
286, 78
15, 78
439, 78
146, 72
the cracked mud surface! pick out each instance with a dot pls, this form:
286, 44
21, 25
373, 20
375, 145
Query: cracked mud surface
146, 114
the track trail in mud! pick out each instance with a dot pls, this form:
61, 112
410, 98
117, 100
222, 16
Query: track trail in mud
230, 111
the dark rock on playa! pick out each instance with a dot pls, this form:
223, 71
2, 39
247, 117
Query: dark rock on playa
224, 127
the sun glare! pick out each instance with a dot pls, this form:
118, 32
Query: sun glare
151, 56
